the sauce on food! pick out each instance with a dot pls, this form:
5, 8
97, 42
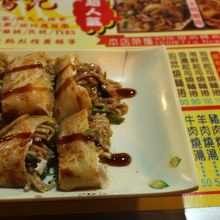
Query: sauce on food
126, 93
117, 159
23, 135
22, 68
24, 89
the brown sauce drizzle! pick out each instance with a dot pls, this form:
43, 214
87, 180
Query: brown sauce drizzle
22, 68
119, 160
63, 86
24, 89
75, 137
126, 93
103, 93
23, 135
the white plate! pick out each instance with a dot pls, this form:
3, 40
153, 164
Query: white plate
153, 132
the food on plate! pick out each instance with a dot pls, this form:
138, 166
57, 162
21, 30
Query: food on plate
82, 85
152, 15
79, 163
47, 98
69, 97
26, 153
106, 94
83, 148
27, 86
210, 10
92, 102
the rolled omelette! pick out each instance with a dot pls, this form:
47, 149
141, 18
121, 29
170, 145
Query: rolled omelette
79, 163
23, 152
27, 86
69, 97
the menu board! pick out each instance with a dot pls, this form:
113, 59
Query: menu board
189, 28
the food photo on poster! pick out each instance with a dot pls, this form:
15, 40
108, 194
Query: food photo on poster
167, 15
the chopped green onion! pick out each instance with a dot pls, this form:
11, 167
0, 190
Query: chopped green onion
175, 161
114, 118
158, 184
99, 110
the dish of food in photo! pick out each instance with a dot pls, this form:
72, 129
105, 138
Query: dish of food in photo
152, 16
210, 10
93, 143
